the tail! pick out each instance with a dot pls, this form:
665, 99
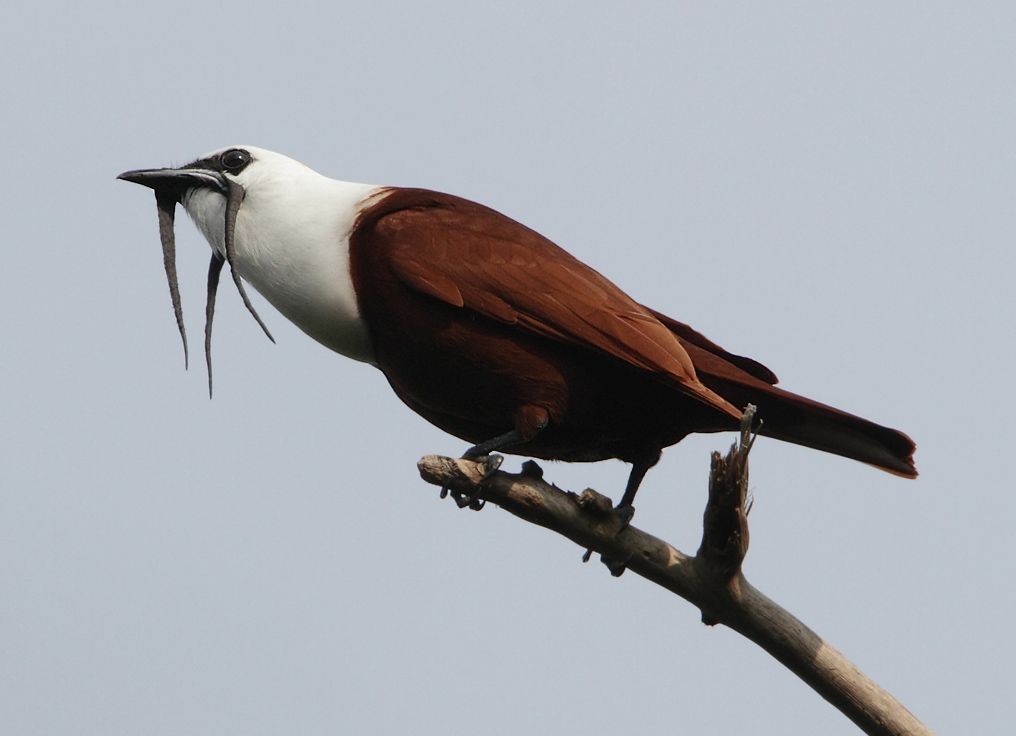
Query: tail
792, 418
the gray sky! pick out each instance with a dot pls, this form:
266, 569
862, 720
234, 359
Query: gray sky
827, 189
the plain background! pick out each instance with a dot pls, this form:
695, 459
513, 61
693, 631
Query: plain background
827, 187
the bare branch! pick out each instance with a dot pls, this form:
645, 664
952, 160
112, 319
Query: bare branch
711, 580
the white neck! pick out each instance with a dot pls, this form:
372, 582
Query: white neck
292, 245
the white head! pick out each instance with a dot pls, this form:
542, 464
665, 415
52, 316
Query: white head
269, 183
281, 226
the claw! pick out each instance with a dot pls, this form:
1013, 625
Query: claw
465, 501
616, 567
490, 465
624, 515
531, 470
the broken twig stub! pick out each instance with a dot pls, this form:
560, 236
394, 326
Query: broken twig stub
725, 522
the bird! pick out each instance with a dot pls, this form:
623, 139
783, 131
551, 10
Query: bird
481, 325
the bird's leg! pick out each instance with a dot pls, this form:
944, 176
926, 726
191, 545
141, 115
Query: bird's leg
625, 510
481, 452
501, 442
530, 420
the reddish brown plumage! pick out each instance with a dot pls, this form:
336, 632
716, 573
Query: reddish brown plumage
482, 325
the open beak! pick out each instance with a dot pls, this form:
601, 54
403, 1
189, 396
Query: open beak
175, 182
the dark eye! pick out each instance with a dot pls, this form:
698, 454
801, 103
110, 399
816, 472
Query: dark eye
234, 159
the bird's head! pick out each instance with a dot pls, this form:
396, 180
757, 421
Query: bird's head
289, 242
212, 189
209, 184
215, 188
218, 171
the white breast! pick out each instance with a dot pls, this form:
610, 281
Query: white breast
292, 245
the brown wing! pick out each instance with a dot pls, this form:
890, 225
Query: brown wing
473, 257
711, 351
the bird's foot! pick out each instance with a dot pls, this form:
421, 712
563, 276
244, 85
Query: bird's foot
624, 515
531, 470
616, 567
490, 465
465, 501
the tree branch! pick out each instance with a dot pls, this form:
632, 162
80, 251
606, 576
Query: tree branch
711, 580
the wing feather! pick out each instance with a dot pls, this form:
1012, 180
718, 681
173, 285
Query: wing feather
471, 257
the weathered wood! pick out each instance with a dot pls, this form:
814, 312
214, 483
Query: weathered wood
711, 580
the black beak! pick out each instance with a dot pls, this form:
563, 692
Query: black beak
169, 186
175, 182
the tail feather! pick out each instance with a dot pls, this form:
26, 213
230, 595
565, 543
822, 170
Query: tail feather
793, 418
802, 421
